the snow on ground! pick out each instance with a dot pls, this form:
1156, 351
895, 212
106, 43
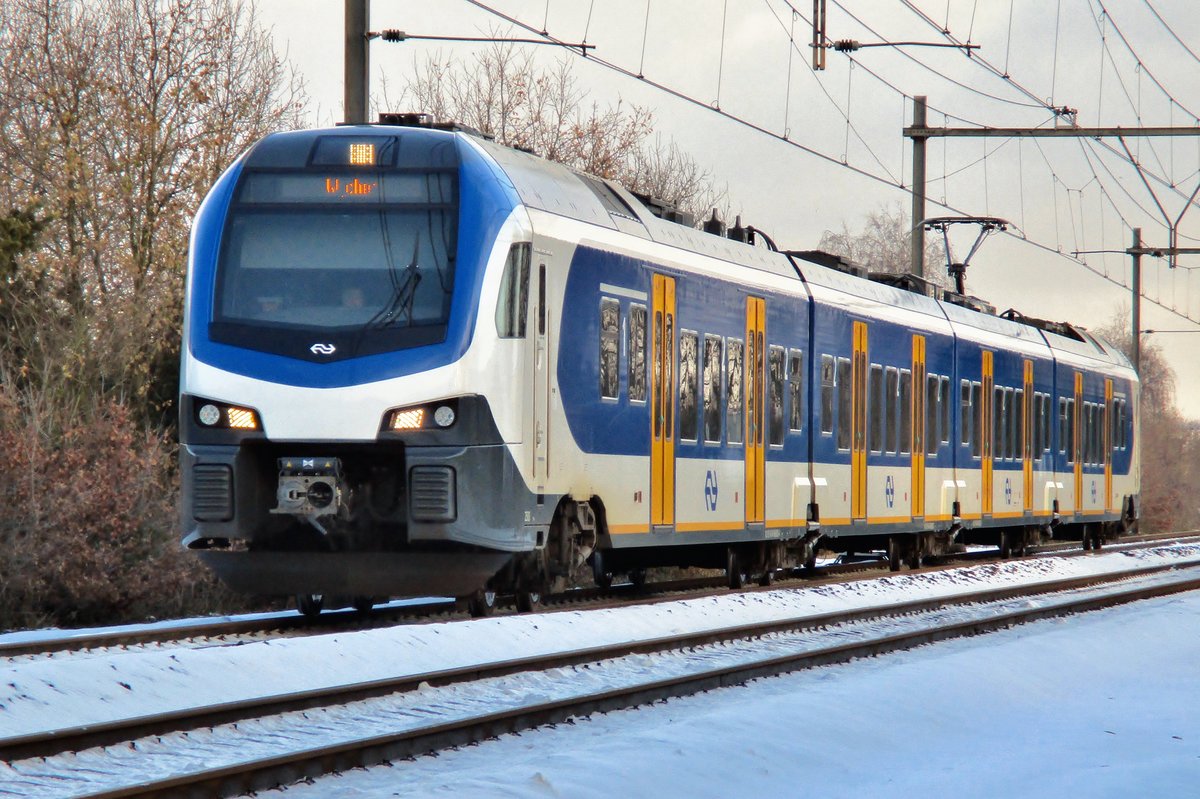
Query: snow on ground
1105, 704
51, 694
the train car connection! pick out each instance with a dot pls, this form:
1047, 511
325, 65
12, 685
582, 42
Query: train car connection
417, 362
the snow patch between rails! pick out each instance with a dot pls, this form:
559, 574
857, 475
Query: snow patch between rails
49, 694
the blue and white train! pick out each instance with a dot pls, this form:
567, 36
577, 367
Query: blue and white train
418, 362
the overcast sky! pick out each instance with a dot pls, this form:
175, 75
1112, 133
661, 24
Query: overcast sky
1111, 60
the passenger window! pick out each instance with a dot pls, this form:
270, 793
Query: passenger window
876, 389
998, 417
637, 353
1072, 447
905, 411
891, 395
827, 381
977, 420
689, 344
712, 389
733, 390
944, 399
964, 413
1101, 432
776, 364
843, 399
796, 387
610, 330
1016, 425
933, 402
1062, 425
512, 306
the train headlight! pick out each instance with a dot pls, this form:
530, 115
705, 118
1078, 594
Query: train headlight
409, 419
209, 414
222, 416
431, 416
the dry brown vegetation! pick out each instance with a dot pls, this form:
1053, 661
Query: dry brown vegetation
115, 118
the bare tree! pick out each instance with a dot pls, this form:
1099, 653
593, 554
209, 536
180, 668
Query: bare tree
1171, 443
118, 115
885, 244
505, 93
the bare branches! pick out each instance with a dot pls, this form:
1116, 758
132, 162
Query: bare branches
884, 243
117, 116
502, 91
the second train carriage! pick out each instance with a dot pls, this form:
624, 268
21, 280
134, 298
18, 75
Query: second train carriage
629, 392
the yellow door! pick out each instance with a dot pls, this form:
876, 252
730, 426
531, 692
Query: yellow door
1027, 435
662, 393
1109, 416
986, 434
918, 427
858, 420
1077, 442
756, 324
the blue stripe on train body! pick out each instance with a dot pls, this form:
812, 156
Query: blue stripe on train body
714, 307
486, 199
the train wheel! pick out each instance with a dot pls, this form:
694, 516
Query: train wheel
310, 604
810, 558
528, 601
1006, 549
1097, 536
638, 578
893, 554
602, 577
767, 577
363, 604
733, 569
482, 603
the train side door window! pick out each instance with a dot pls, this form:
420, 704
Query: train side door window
512, 306
733, 390
776, 366
827, 384
713, 382
876, 388
843, 401
796, 389
933, 405
977, 420
689, 407
891, 395
637, 353
906, 409
610, 333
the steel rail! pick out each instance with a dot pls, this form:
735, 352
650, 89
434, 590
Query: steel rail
312, 762
617, 596
73, 739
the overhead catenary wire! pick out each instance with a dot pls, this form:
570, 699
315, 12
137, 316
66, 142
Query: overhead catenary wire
747, 124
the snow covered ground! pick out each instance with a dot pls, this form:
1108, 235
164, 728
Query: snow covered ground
1101, 705
52, 693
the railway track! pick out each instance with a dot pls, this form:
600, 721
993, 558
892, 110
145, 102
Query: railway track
251, 627
368, 722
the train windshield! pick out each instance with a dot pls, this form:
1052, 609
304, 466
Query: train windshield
325, 266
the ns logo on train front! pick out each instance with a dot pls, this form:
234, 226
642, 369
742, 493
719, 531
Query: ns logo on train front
417, 362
